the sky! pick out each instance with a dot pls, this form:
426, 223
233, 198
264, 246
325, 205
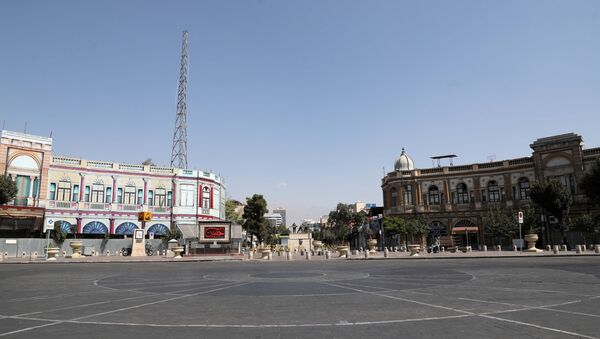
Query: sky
304, 102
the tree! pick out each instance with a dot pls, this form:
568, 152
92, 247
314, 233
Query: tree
417, 227
499, 223
8, 189
254, 217
393, 226
554, 198
231, 212
585, 224
343, 219
59, 235
148, 162
590, 184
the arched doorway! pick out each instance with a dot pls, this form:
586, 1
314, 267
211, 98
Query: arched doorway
465, 233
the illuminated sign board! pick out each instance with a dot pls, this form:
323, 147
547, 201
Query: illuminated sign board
215, 232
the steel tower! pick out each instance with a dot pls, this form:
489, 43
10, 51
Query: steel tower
179, 151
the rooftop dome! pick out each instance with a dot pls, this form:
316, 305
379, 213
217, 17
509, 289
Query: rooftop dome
404, 162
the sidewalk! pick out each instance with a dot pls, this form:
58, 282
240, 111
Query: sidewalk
298, 257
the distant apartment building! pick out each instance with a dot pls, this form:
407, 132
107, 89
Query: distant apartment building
281, 211
99, 197
274, 219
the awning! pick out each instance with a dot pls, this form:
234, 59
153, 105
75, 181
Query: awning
465, 229
188, 230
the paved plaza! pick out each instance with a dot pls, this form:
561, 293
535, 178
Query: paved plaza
534, 297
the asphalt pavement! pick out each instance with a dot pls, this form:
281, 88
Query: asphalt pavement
532, 297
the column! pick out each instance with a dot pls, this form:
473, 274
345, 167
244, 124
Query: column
79, 226
81, 187
145, 191
114, 189
200, 195
30, 194
212, 189
112, 226
174, 202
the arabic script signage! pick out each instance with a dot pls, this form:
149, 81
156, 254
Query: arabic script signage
214, 232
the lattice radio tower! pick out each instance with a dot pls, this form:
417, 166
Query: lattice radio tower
179, 151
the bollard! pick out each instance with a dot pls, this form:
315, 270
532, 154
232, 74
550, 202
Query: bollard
24, 254
578, 249
514, 248
270, 256
555, 249
548, 248
442, 249
250, 255
289, 256
564, 248
308, 255
386, 253
498, 248
327, 254
484, 247
597, 249
366, 254
108, 253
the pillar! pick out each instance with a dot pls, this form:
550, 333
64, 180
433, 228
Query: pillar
82, 187
145, 191
114, 189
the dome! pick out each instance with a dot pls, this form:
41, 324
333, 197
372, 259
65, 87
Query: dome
404, 162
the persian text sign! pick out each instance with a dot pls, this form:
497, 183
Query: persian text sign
214, 233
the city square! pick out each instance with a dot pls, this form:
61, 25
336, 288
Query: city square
492, 298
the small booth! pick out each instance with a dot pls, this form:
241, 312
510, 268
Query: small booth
211, 237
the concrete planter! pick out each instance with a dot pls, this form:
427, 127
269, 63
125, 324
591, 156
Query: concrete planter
531, 238
177, 250
264, 253
414, 250
372, 245
52, 252
76, 248
343, 250
318, 244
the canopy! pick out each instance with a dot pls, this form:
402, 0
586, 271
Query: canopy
465, 229
188, 230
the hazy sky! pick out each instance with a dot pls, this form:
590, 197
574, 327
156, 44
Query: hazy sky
304, 102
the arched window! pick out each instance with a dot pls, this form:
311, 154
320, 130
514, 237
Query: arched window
462, 193
408, 198
206, 197
524, 188
394, 197
95, 227
493, 191
126, 228
437, 229
434, 195
158, 229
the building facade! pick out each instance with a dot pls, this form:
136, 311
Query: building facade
99, 197
453, 199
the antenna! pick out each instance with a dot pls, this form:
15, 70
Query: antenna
491, 158
179, 151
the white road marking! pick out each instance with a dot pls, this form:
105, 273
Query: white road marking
538, 326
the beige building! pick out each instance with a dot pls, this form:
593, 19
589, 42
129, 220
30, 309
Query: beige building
454, 198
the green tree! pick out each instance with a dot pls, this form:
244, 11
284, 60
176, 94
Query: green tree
231, 213
59, 235
8, 189
343, 219
417, 228
554, 198
585, 224
393, 226
254, 217
500, 223
590, 184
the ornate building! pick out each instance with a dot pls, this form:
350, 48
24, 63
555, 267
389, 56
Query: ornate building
453, 199
99, 197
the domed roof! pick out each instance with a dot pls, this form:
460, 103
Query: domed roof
404, 162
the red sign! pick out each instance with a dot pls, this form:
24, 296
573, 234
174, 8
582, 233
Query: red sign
214, 232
